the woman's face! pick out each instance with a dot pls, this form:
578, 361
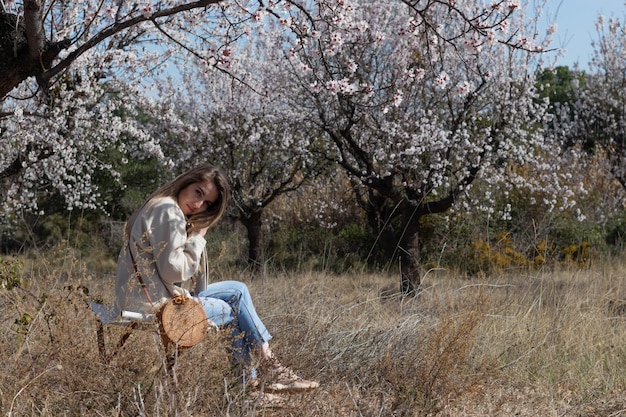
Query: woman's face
197, 197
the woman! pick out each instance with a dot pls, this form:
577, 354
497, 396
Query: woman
165, 246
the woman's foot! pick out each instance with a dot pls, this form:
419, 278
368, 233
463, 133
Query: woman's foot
282, 379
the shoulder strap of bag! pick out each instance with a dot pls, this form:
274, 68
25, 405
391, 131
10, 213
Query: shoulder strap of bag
141, 281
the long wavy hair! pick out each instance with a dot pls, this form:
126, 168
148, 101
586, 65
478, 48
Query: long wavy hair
172, 188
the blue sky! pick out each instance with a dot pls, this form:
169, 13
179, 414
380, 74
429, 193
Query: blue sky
576, 25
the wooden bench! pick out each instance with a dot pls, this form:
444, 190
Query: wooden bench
111, 316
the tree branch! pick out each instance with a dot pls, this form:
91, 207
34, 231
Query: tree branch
119, 27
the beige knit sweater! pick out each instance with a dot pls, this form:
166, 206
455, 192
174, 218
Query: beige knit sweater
164, 254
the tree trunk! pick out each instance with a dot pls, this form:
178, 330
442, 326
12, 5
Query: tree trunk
253, 225
378, 220
24, 51
410, 252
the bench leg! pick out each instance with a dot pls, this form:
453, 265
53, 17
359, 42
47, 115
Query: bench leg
171, 350
101, 344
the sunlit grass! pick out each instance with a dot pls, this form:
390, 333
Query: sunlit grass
528, 343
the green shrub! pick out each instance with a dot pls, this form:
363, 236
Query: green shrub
11, 273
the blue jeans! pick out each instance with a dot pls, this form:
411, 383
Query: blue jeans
229, 304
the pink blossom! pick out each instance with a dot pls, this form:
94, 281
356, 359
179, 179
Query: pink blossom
332, 86
442, 80
258, 15
110, 11
397, 98
464, 88
504, 26
491, 36
146, 9
414, 74
514, 4
315, 87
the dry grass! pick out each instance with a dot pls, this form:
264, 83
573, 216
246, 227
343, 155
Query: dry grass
543, 344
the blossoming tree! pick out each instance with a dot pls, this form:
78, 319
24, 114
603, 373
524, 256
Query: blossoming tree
57, 145
71, 74
240, 127
417, 111
598, 121
416, 99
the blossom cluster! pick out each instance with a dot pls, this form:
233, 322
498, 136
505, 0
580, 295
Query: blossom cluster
429, 98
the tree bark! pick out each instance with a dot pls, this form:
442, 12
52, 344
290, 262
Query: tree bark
13, 53
253, 225
410, 252
379, 217
24, 52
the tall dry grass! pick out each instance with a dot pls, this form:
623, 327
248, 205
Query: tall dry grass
529, 344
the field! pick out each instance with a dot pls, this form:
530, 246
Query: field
542, 343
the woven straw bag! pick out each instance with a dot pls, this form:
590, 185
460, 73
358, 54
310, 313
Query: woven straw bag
183, 321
